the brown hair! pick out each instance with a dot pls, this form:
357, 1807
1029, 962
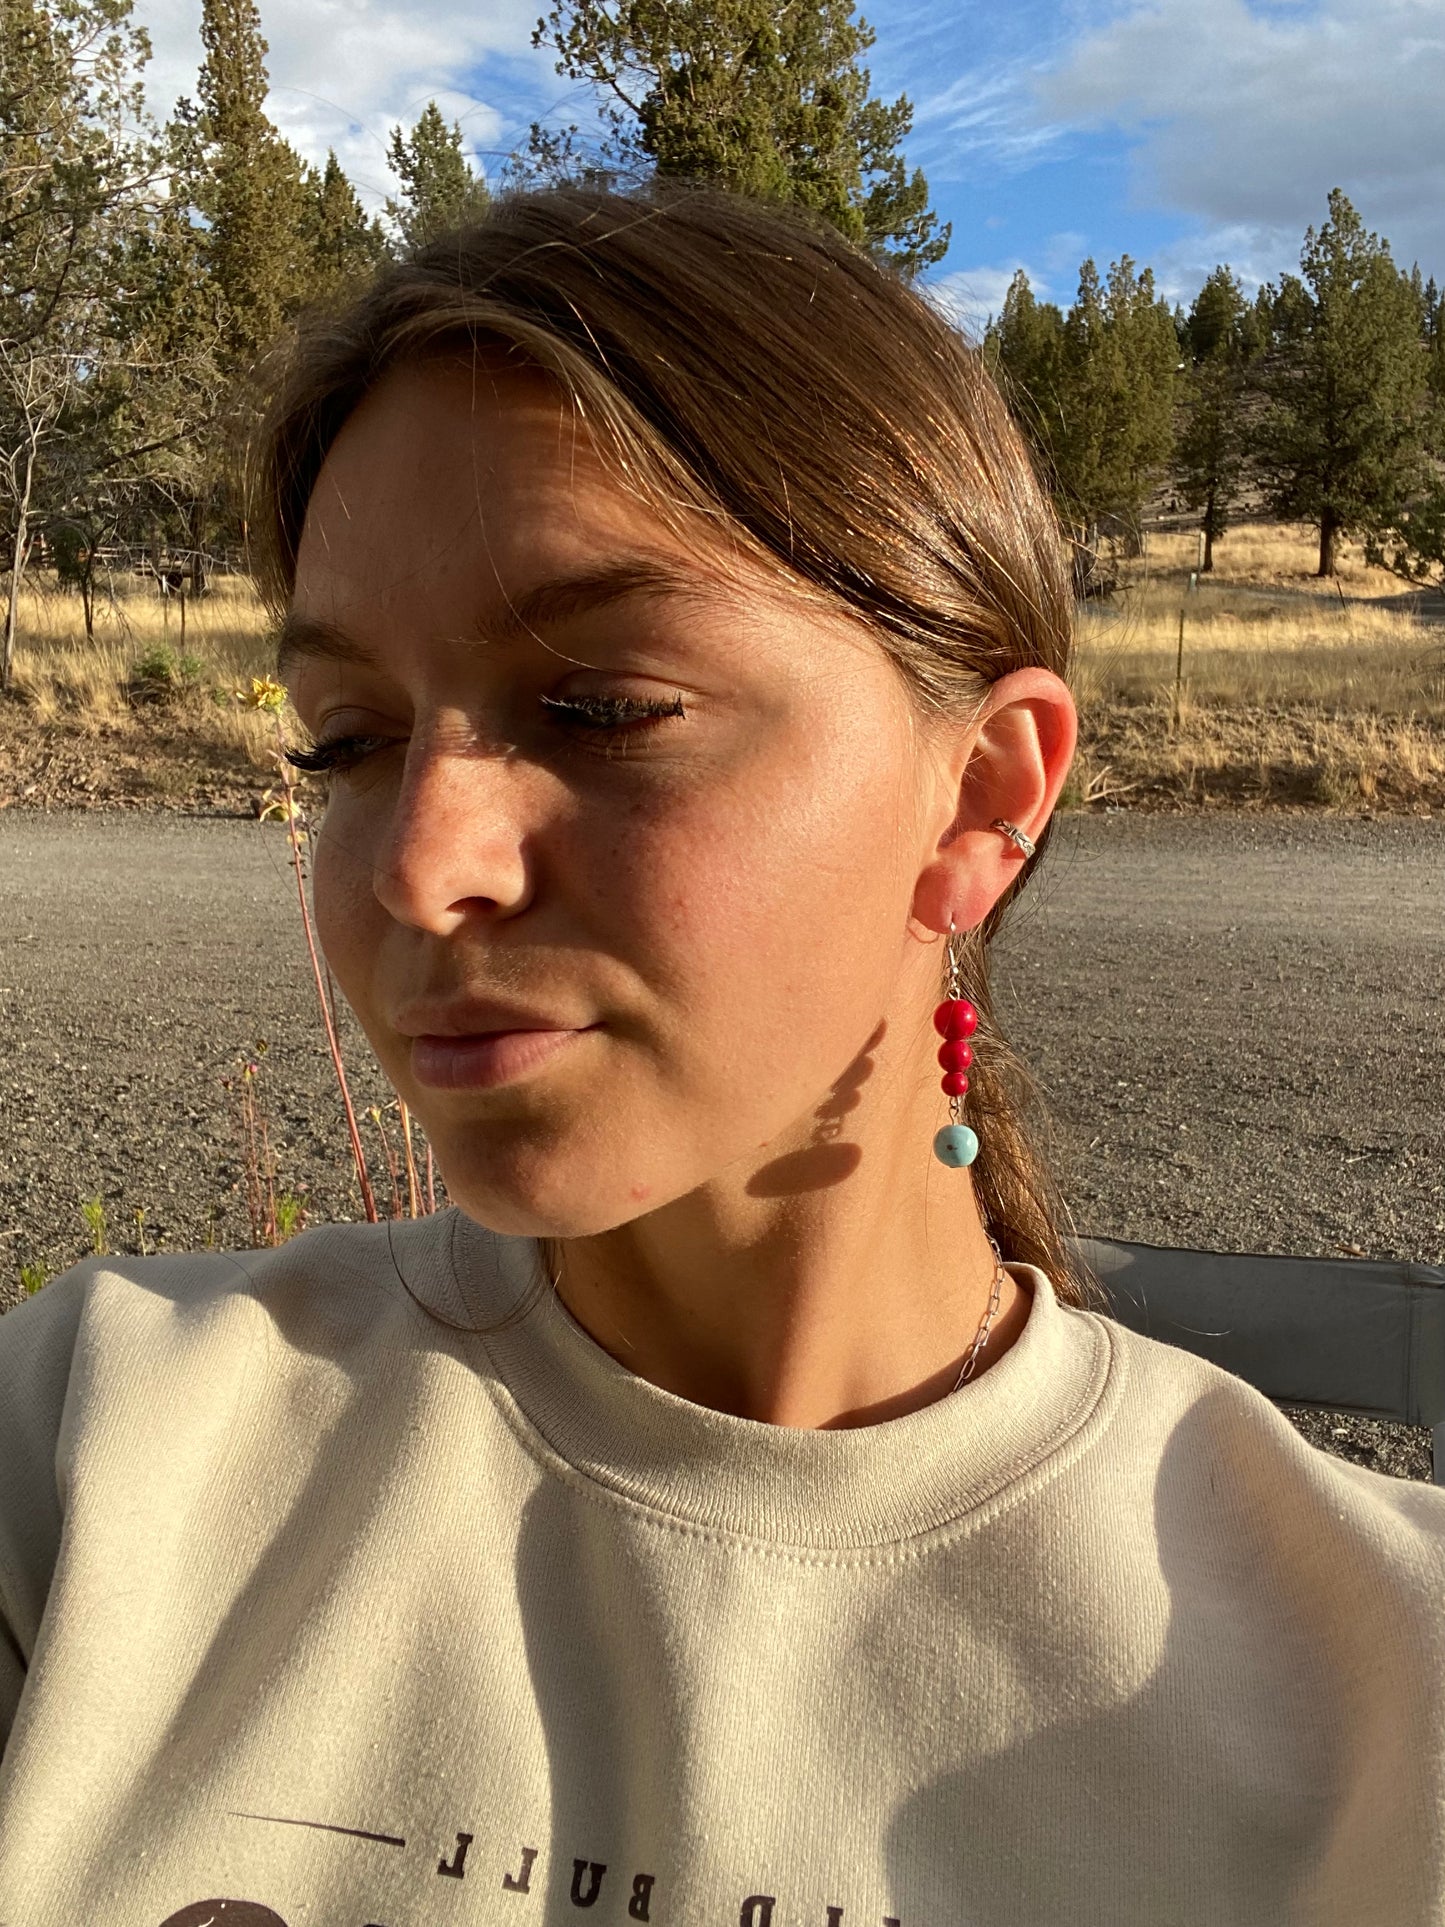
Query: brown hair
752, 365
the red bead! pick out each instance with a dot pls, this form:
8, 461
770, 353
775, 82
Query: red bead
955, 1017
955, 1055
955, 1084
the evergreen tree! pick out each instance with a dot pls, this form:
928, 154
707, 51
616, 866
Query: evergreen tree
1340, 443
1434, 316
247, 184
1217, 335
1024, 348
153, 454
439, 190
1414, 545
1118, 364
767, 97
346, 246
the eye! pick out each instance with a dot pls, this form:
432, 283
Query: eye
604, 720
335, 757
604, 717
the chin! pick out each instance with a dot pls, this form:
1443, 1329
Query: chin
541, 1196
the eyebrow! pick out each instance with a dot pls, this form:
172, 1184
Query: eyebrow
309, 638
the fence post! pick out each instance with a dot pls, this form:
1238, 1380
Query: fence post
1179, 659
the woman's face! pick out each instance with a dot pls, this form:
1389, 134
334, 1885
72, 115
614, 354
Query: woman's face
646, 828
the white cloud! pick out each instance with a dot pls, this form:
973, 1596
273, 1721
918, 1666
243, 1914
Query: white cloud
969, 296
1246, 117
343, 71
985, 118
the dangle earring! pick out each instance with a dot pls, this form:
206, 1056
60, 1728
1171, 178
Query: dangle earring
955, 1020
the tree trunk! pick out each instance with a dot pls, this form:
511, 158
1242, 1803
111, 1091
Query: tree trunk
1206, 561
18, 556
1329, 531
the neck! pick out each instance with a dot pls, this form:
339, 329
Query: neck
828, 1284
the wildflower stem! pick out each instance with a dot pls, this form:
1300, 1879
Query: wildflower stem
363, 1178
413, 1199
391, 1165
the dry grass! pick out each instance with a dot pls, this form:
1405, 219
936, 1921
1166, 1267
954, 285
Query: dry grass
86, 685
1266, 553
87, 728
1292, 690
1326, 695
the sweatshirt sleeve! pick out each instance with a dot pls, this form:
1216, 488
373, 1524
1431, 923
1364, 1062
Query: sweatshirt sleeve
37, 1342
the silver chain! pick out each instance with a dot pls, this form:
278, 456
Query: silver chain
980, 1338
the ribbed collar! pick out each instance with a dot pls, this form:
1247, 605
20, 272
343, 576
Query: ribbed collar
866, 1486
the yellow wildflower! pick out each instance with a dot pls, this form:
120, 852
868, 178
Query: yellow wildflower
265, 693
275, 803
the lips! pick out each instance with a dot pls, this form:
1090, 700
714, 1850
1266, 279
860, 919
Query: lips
479, 1062
475, 1017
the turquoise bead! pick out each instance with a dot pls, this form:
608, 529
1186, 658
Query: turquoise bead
956, 1145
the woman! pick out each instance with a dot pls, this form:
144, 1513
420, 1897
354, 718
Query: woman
728, 1511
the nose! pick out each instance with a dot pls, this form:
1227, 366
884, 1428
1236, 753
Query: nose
456, 844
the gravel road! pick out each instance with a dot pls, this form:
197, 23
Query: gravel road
1237, 1020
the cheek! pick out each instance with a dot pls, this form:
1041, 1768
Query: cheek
349, 920
769, 909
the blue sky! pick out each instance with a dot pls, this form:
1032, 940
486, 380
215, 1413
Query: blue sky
1182, 132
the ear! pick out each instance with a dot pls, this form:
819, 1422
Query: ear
1010, 763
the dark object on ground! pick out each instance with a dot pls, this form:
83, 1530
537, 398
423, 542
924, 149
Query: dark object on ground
1340, 1334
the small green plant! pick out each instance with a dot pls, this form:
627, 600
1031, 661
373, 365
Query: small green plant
158, 674
290, 1216
32, 1277
93, 1211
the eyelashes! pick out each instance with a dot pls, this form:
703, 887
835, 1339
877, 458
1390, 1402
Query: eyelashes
611, 712
324, 759
605, 722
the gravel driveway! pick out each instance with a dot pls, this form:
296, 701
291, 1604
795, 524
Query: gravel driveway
1238, 1022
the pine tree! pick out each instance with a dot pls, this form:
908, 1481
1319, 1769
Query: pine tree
155, 441
345, 244
1118, 364
1340, 443
1434, 317
1414, 543
767, 97
439, 190
1210, 455
1024, 347
246, 183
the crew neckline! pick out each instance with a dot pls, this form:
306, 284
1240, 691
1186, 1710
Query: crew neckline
866, 1485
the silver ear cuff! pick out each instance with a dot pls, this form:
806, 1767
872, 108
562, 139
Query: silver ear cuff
1015, 835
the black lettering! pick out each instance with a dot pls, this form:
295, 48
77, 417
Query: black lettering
835, 1916
456, 1867
521, 1881
591, 1868
757, 1910
642, 1885
889, 1921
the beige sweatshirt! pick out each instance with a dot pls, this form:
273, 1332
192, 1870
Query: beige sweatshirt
316, 1612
